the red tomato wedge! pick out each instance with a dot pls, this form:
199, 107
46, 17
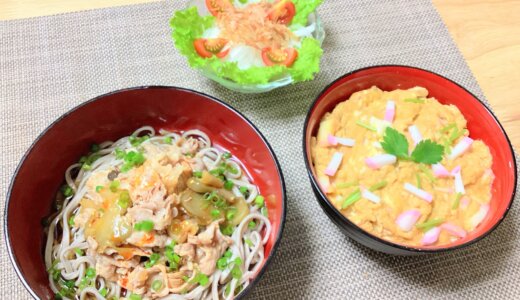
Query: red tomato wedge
282, 12
217, 6
272, 57
208, 47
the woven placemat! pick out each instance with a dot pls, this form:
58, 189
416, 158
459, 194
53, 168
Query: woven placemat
51, 64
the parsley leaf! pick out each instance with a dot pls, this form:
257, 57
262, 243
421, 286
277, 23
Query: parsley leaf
427, 152
395, 143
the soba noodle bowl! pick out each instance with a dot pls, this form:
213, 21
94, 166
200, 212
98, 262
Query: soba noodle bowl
156, 216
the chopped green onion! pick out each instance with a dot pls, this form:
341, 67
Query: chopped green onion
215, 213
260, 201
425, 226
154, 258
86, 167
145, 225
228, 254
457, 201
230, 214
94, 148
197, 174
114, 185
378, 186
90, 273
228, 185
124, 200
226, 155
418, 179
120, 154
344, 185
67, 191
135, 297
168, 140
249, 242
71, 221
236, 272
351, 199
157, 285
201, 279
415, 100
264, 211
79, 252
251, 225
103, 292
227, 230
99, 188
132, 159
238, 261
136, 141
222, 263
243, 190
365, 125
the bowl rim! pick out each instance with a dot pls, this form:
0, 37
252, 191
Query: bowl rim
278, 237
345, 221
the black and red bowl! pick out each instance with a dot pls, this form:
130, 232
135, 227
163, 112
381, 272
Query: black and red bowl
109, 117
482, 125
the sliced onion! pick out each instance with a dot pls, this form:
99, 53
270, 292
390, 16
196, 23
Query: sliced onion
415, 134
407, 219
431, 236
477, 218
334, 163
390, 111
440, 171
454, 230
461, 147
459, 184
378, 161
334, 140
418, 192
370, 196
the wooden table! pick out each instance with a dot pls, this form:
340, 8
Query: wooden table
486, 31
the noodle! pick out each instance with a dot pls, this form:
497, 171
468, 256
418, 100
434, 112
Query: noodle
70, 260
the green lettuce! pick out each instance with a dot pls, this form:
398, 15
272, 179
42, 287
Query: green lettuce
188, 25
303, 9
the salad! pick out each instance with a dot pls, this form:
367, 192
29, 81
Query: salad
250, 41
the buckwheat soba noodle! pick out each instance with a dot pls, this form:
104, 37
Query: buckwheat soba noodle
156, 216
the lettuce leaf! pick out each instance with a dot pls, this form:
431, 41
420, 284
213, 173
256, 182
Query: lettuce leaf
303, 9
188, 25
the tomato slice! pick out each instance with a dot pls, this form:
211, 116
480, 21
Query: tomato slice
208, 47
286, 57
282, 12
217, 6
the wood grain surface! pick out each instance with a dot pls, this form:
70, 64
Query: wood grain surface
486, 31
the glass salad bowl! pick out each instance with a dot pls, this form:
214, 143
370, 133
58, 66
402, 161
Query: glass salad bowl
313, 29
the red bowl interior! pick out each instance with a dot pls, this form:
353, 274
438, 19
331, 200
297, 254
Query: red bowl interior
110, 117
482, 125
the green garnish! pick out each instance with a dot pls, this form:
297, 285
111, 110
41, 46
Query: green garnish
87, 161
215, 213
260, 201
132, 159
145, 225
90, 273
168, 140
94, 148
124, 200
71, 221
114, 185
79, 252
344, 185
103, 292
378, 186
226, 155
230, 214
448, 127
173, 258
99, 188
415, 100
197, 174
200, 278
418, 179
236, 272
67, 191
135, 297
426, 151
157, 285
226, 230
154, 258
243, 190
428, 173
120, 154
136, 140
251, 225
457, 201
425, 226
228, 185
264, 211
303, 8
351, 199
365, 125
249, 242
222, 263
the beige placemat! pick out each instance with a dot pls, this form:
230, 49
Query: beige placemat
48, 65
